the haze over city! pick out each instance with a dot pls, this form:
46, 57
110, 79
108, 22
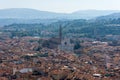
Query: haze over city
63, 6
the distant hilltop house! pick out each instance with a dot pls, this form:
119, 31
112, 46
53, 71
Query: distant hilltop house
66, 45
99, 43
113, 37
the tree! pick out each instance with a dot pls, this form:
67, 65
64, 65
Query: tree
77, 45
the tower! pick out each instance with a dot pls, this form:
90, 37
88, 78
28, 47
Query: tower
60, 34
95, 32
108, 61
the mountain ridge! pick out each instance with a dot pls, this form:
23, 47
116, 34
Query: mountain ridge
26, 13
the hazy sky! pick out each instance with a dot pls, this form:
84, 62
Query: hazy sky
62, 5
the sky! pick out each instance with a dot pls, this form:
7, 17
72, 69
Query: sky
63, 6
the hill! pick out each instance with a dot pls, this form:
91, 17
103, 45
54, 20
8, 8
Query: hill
24, 13
111, 16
